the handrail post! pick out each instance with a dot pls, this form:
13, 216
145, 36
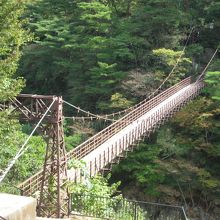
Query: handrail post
135, 211
69, 204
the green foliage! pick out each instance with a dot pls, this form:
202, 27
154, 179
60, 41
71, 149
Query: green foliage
12, 38
90, 186
12, 138
118, 101
103, 80
141, 167
73, 141
168, 59
85, 49
213, 79
197, 128
95, 196
72, 49
32, 161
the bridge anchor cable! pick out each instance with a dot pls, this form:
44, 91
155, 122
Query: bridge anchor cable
24, 147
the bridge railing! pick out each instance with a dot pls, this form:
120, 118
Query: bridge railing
92, 143
31, 185
118, 208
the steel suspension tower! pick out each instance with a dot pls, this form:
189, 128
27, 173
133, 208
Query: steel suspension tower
52, 201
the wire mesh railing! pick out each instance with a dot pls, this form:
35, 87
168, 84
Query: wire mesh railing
118, 208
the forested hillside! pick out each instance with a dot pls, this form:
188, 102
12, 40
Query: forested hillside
12, 37
105, 56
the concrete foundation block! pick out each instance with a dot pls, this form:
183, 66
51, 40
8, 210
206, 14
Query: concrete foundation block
14, 207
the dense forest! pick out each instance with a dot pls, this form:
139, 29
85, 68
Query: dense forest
105, 56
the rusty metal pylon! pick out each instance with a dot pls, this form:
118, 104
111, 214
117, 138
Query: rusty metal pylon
53, 198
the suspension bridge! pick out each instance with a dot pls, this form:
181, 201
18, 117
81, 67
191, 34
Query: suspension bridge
101, 150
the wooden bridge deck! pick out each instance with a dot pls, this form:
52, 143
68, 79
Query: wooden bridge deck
121, 141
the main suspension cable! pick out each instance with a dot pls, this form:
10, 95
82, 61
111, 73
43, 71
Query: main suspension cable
24, 147
207, 66
88, 113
